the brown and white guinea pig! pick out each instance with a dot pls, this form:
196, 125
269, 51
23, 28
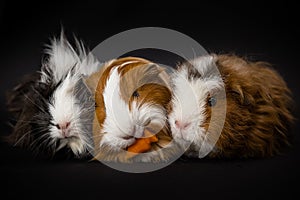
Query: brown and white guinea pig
227, 106
131, 95
47, 107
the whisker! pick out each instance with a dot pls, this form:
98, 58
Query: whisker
19, 120
34, 146
41, 144
39, 137
24, 135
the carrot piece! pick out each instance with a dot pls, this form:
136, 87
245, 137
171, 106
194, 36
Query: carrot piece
143, 144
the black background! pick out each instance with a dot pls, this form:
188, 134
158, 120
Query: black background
258, 30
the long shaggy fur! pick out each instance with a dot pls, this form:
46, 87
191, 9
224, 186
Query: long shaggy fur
124, 76
257, 101
258, 114
39, 102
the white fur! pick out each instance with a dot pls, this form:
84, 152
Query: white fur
205, 65
120, 122
89, 65
189, 103
63, 57
64, 107
140, 115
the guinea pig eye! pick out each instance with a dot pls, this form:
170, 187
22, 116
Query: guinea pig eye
135, 94
212, 101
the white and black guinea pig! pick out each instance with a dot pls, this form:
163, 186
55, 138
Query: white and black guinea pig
45, 106
236, 108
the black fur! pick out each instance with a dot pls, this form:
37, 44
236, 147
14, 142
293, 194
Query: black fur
28, 104
15, 97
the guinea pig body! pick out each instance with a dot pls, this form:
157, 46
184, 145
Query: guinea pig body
251, 118
131, 96
46, 107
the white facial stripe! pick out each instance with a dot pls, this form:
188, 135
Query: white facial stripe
63, 100
64, 109
118, 122
190, 101
191, 93
186, 97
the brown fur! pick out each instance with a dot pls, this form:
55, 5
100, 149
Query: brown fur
134, 75
258, 111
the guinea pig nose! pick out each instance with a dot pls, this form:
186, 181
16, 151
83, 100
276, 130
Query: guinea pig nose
181, 125
63, 126
64, 129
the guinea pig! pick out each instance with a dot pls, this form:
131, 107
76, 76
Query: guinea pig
48, 106
131, 96
225, 106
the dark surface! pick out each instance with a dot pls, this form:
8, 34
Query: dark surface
260, 31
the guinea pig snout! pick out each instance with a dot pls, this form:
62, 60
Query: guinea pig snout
181, 124
64, 129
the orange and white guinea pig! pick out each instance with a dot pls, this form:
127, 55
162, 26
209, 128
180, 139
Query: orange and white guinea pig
252, 114
131, 96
